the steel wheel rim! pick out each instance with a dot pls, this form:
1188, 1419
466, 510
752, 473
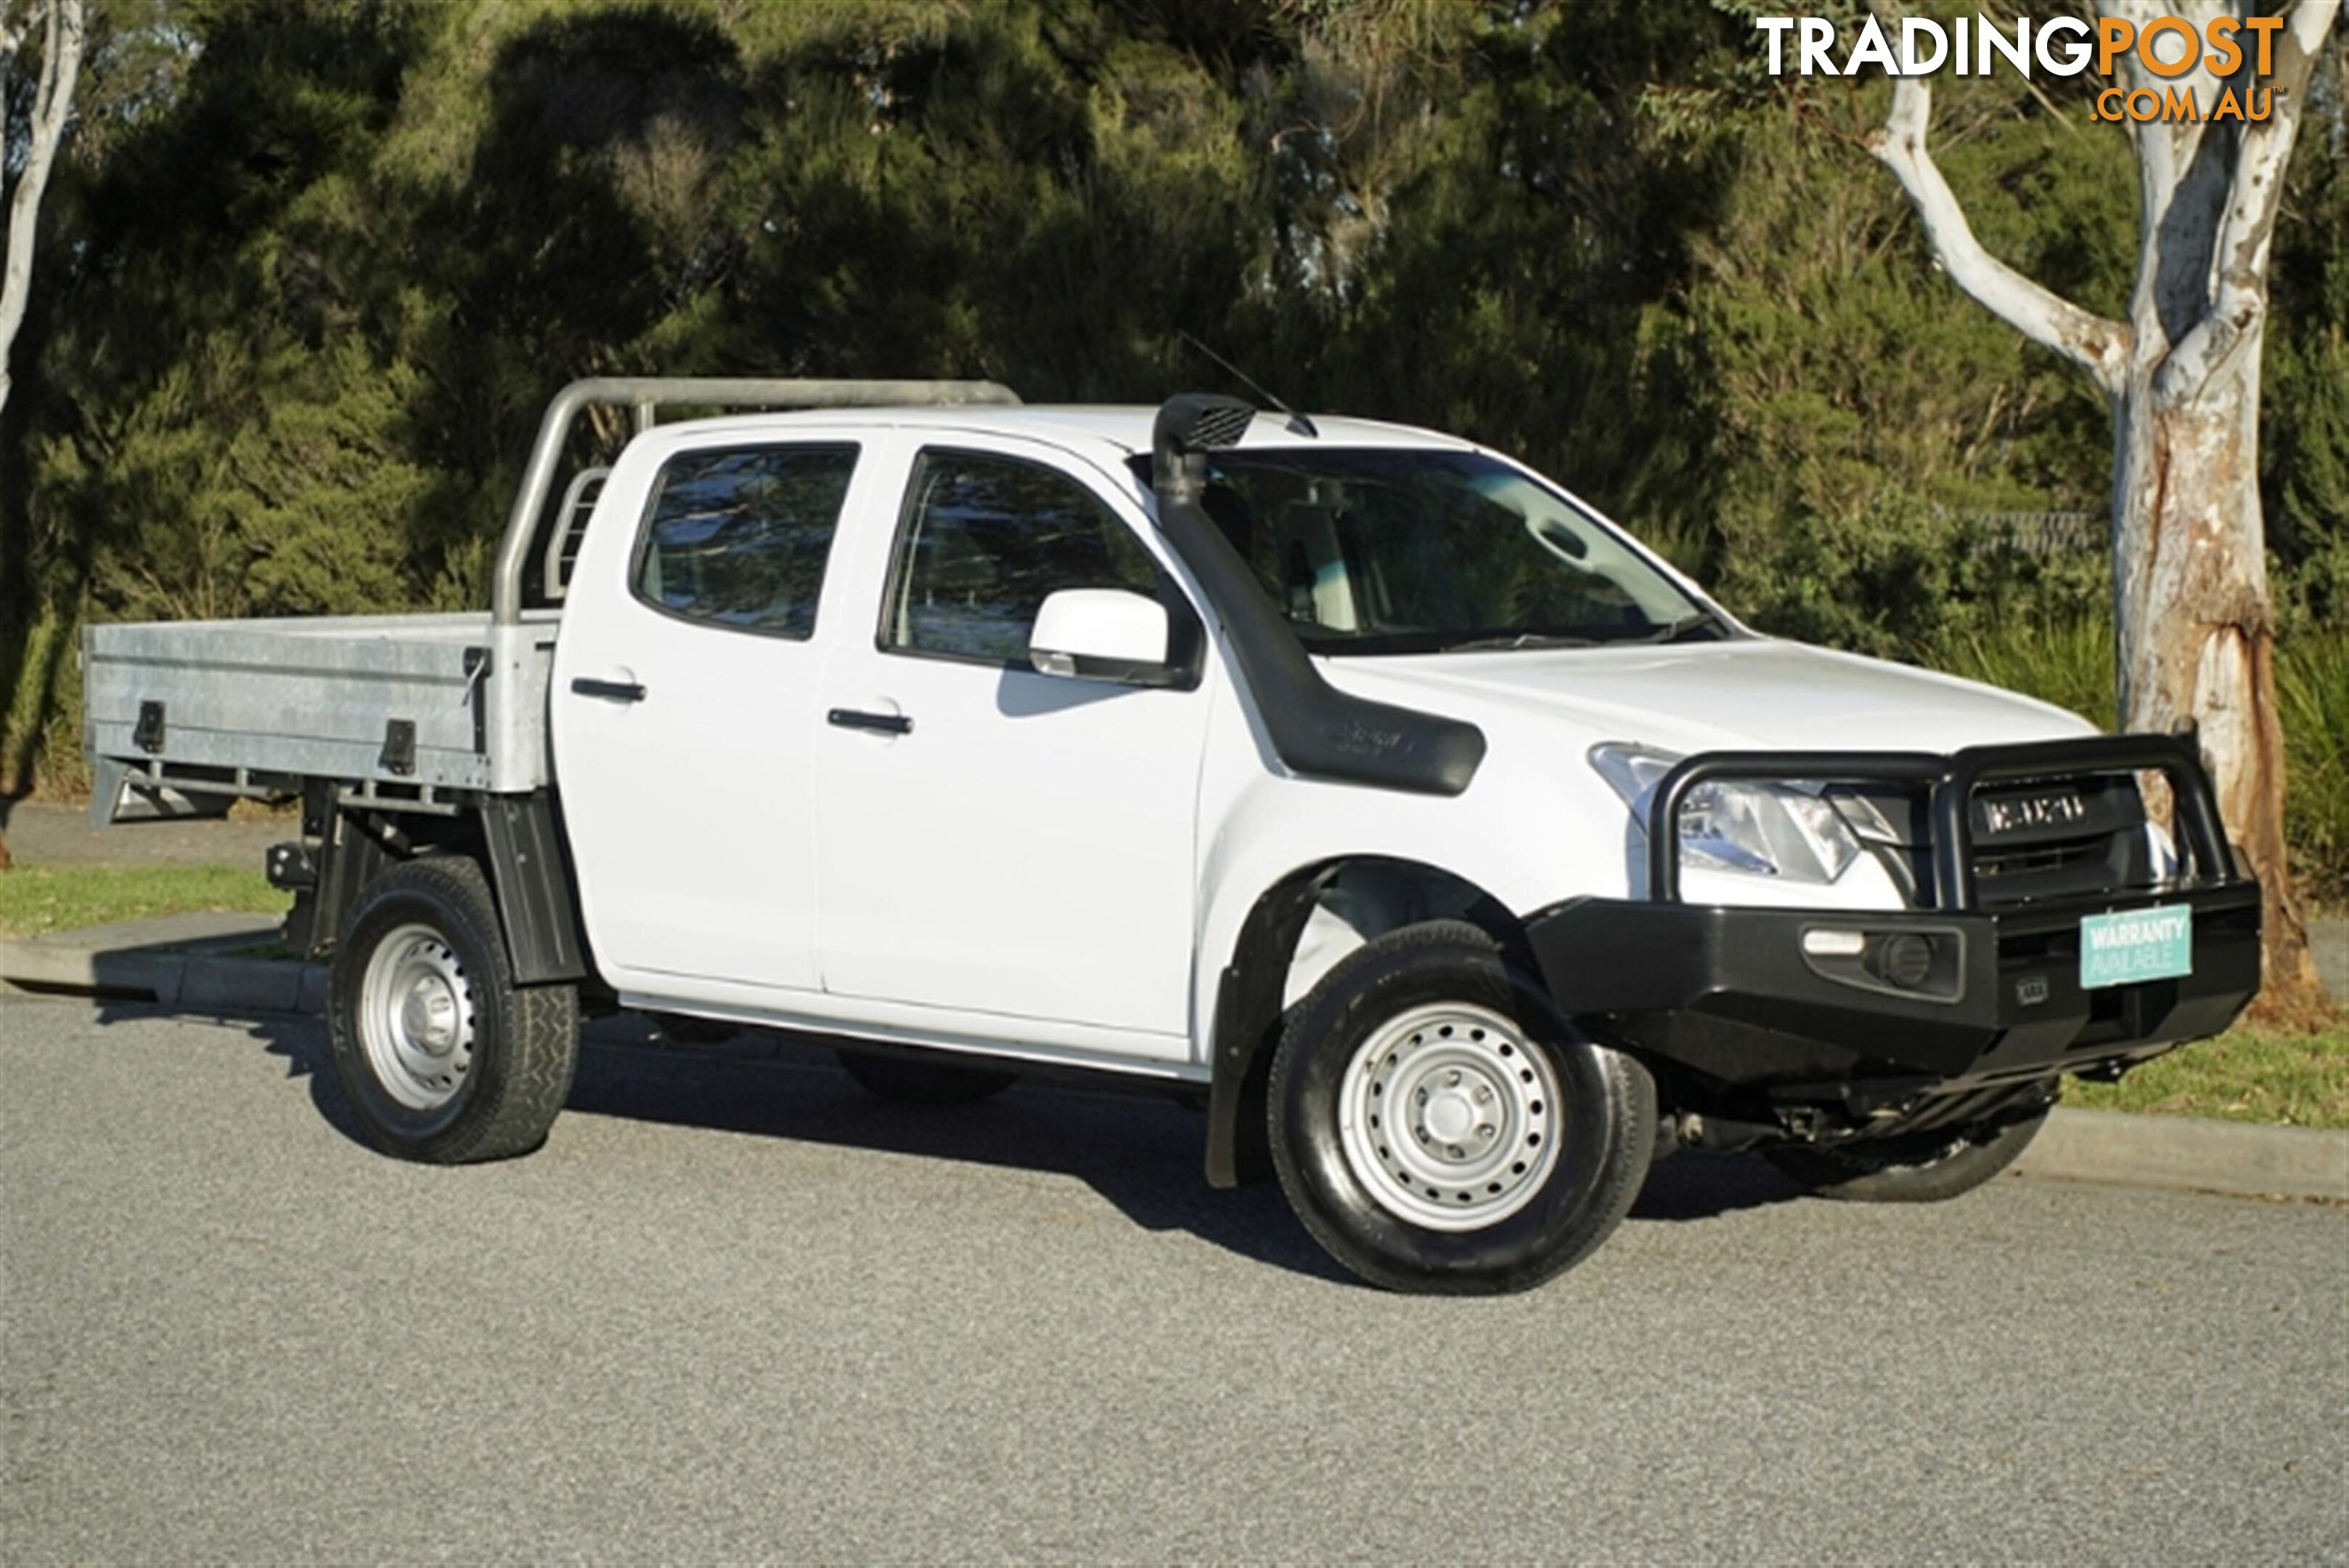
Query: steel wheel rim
416, 1018
1448, 1116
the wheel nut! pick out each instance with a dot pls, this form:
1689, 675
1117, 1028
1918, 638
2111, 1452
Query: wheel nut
1452, 1080
1483, 1094
1456, 1152
1485, 1131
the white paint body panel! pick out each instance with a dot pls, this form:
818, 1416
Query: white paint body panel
1024, 854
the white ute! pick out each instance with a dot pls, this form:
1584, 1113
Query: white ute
1461, 852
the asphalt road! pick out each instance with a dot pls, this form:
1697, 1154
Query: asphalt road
735, 1310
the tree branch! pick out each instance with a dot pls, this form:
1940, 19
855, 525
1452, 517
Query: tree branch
2097, 345
2238, 292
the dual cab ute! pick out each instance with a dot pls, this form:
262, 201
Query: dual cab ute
1463, 855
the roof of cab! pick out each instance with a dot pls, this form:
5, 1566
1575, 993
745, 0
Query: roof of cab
1123, 426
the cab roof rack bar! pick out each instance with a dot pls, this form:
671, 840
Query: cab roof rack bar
641, 394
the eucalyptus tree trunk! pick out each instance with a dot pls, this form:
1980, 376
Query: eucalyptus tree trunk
60, 24
2195, 649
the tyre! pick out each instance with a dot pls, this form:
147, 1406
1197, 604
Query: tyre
1921, 1168
924, 1083
1438, 1128
445, 1058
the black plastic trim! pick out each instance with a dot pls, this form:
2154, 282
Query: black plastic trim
1315, 729
536, 899
879, 723
1247, 1022
1726, 994
398, 753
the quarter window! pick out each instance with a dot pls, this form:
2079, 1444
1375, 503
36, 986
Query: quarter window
984, 540
738, 538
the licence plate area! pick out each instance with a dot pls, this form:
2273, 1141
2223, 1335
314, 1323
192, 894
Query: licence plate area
2132, 945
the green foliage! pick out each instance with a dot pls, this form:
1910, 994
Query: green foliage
1867, 419
2304, 435
2313, 698
2066, 659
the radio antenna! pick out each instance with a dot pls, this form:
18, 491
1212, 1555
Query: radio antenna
1298, 423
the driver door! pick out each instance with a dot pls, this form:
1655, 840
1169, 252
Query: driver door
998, 844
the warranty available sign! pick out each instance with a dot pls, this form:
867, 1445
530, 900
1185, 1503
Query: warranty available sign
2136, 945
2167, 48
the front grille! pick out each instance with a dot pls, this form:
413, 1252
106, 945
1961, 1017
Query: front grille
2034, 838
2046, 839
1990, 865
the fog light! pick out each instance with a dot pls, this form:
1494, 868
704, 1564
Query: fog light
1903, 961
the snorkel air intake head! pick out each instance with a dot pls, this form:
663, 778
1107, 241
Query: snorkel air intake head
1189, 427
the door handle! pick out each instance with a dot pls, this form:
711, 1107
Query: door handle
618, 690
881, 723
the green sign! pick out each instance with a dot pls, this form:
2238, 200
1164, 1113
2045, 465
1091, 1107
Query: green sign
2137, 944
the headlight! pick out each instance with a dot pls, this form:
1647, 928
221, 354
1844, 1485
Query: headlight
1760, 829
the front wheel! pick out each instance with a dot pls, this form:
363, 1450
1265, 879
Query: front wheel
1919, 1167
1438, 1128
446, 1059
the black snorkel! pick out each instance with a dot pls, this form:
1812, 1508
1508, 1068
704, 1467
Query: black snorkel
1315, 729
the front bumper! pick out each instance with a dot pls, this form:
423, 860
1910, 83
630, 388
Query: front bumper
1731, 999
1730, 995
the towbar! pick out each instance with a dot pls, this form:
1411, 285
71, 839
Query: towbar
644, 393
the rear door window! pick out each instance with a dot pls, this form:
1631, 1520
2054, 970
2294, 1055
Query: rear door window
738, 537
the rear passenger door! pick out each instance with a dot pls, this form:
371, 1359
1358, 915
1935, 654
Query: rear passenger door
685, 703
1010, 847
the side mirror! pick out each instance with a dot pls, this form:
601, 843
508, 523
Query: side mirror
1101, 634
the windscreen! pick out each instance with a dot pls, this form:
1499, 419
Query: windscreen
1382, 550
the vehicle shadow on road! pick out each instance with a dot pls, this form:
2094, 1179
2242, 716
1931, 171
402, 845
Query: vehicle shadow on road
1140, 1153
1696, 1186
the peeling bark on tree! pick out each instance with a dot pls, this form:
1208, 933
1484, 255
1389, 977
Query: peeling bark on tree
2196, 632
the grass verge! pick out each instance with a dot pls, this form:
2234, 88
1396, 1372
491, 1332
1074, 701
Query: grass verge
2247, 1075
34, 900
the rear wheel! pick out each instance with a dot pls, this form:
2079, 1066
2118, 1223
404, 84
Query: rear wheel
445, 1059
1439, 1129
924, 1083
1915, 1167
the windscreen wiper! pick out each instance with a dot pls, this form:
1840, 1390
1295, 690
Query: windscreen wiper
1520, 639
1683, 629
